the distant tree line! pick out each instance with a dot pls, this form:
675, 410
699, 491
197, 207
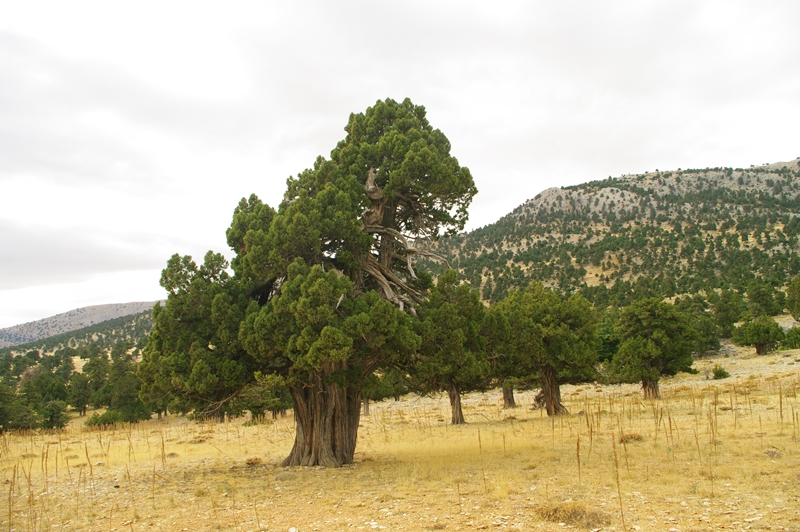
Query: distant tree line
133, 328
533, 338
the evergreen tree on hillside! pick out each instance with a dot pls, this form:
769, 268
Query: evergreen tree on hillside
727, 308
793, 294
655, 339
763, 333
764, 300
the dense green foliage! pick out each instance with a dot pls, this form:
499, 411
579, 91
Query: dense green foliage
554, 341
37, 389
763, 333
656, 339
321, 285
451, 356
134, 328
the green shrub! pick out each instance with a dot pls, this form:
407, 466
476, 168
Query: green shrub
720, 373
109, 417
54, 415
792, 339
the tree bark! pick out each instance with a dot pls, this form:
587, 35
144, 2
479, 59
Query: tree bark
508, 397
366, 406
454, 393
552, 393
651, 390
326, 422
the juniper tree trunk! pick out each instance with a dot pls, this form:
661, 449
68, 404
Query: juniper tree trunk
651, 390
326, 423
552, 393
366, 406
454, 393
508, 398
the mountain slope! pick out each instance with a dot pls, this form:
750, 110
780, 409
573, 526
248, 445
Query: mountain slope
132, 328
662, 233
69, 321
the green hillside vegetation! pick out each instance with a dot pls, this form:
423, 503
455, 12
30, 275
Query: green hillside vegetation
133, 328
39, 381
658, 234
66, 322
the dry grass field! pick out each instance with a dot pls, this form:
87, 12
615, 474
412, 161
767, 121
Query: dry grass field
710, 455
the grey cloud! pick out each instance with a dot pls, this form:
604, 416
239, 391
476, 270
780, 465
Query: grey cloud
44, 101
34, 255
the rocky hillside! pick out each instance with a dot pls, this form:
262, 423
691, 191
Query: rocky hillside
659, 233
68, 321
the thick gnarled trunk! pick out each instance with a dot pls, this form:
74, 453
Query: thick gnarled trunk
552, 393
650, 389
508, 397
454, 393
326, 424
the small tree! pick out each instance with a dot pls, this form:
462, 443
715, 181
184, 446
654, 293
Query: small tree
378, 388
763, 299
792, 339
697, 308
500, 354
78, 392
727, 307
15, 413
793, 298
96, 370
763, 333
656, 339
553, 338
121, 391
54, 415
268, 394
451, 357
38, 388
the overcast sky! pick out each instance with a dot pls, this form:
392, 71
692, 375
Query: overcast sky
129, 131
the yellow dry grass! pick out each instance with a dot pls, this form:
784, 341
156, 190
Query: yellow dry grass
710, 454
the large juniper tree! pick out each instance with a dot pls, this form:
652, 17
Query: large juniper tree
324, 285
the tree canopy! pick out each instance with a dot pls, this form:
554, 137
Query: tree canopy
763, 333
323, 286
452, 356
655, 339
554, 338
